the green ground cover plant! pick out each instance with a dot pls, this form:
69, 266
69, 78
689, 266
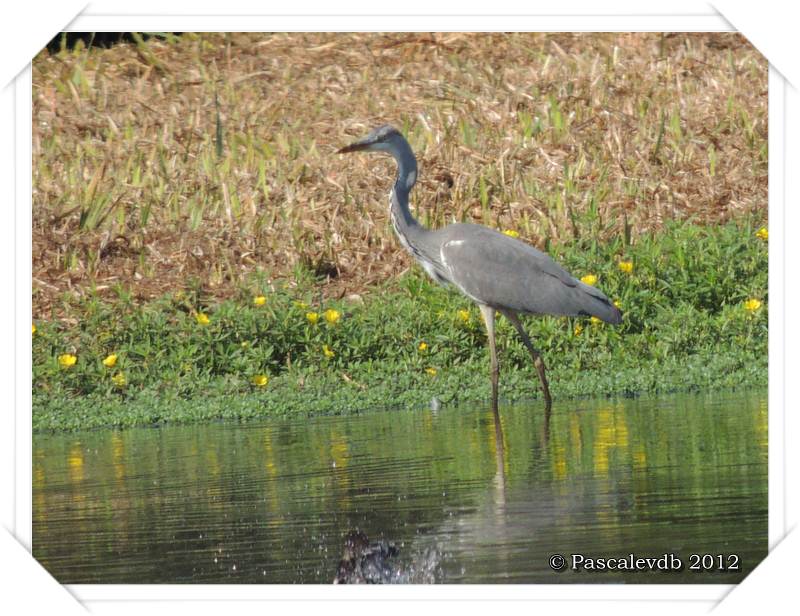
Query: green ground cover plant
694, 301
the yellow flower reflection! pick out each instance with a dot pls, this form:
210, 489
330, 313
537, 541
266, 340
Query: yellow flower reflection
75, 464
611, 433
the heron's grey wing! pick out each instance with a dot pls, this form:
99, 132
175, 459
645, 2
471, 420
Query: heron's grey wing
504, 272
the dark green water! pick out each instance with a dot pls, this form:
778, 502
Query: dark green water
466, 499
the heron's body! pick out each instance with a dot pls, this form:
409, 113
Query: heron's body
473, 258
498, 272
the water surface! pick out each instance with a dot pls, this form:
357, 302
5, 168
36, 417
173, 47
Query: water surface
465, 497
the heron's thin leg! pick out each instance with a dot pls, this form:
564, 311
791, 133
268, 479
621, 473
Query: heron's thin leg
488, 318
537, 358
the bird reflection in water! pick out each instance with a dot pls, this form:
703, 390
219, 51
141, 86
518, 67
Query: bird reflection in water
378, 562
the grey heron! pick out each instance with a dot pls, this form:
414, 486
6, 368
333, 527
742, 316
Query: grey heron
497, 272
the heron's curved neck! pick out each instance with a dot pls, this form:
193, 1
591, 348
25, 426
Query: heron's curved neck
406, 178
414, 237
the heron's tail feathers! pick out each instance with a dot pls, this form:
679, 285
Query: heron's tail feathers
596, 304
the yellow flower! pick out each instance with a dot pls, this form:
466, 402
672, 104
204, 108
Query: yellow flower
752, 305
259, 380
259, 300
119, 380
423, 346
595, 321
511, 233
431, 371
33, 329
589, 279
301, 305
67, 360
202, 318
625, 266
463, 315
762, 234
244, 344
327, 351
332, 316
617, 304
110, 361
312, 317
578, 329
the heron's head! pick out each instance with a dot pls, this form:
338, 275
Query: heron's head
379, 139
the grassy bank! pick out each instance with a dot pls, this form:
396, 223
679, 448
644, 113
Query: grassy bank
694, 300
209, 157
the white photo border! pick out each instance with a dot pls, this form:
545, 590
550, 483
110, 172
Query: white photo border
103, 596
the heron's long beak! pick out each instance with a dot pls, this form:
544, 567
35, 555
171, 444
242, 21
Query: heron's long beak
354, 147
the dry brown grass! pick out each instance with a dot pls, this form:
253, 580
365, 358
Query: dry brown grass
558, 136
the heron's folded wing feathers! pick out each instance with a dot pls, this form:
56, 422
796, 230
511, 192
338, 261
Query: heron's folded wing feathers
501, 271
